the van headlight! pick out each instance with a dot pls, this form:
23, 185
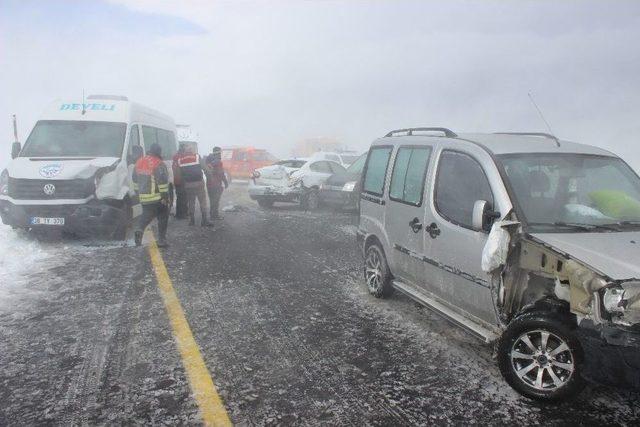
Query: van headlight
4, 183
349, 186
619, 299
613, 300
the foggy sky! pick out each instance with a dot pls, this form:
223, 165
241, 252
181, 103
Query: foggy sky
268, 73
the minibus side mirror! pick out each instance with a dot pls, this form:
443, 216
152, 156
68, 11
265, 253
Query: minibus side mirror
483, 216
16, 147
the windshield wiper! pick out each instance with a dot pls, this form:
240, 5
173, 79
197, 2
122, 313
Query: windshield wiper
578, 226
624, 223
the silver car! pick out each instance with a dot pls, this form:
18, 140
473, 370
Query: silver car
526, 241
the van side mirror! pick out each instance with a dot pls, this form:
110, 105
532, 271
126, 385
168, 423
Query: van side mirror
16, 147
483, 216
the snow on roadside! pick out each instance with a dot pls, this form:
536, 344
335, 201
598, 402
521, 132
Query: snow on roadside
19, 254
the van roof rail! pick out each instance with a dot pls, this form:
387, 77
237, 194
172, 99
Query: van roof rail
541, 134
109, 97
409, 131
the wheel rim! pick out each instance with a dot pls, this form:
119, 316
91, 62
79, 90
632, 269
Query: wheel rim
373, 271
542, 360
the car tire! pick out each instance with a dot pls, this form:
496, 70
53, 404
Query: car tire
265, 204
376, 272
540, 356
311, 200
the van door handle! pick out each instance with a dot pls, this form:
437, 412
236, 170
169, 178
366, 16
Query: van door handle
433, 230
415, 225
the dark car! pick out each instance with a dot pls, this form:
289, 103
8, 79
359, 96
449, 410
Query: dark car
342, 189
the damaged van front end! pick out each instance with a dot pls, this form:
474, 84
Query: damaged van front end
590, 278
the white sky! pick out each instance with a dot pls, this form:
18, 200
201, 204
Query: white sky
268, 73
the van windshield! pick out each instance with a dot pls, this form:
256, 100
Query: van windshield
574, 192
61, 138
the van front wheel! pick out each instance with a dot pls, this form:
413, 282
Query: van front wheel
540, 356
376, 272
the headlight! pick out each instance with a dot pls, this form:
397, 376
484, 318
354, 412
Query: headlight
349, 186
613, 300
618, 299
4, 183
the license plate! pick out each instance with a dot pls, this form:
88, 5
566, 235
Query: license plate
36, 220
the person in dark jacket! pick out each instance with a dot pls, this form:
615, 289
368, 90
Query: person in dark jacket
181, 197
191, 174
215, 178
151, 178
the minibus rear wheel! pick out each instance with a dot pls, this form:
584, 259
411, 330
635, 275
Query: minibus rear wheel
376, 272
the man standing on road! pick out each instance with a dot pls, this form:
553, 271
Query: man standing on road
215, 178
191, 174
181, 197
152, 180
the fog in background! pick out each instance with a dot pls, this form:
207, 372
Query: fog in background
269, 73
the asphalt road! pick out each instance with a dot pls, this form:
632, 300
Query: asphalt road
277, 305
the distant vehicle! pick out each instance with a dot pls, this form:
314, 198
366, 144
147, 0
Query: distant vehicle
294, 181
524, 240
239, 163
74, 171
345, 158
342, 189
187, 136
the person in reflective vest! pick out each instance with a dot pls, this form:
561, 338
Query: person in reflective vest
191, 175
215, 178
151, 179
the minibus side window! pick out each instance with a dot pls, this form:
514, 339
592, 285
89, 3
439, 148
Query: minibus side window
167, 142
376, 170
460, 182
150, 136
409, 175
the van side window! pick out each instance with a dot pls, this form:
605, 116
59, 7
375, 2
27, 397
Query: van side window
167, 141
150, 136
409, 175
459, 184
376, 170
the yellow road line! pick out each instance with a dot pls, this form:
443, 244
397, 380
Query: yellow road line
211, 407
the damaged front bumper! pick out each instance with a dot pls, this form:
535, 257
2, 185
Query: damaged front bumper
90, 218
612, 354
274, 193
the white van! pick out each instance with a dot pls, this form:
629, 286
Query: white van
74, 171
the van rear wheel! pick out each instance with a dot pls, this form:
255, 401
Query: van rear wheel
376, 272
540, 356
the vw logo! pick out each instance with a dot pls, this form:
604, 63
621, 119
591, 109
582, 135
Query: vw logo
49, 189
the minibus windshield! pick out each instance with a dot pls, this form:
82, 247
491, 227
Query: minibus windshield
577, 191
61, 138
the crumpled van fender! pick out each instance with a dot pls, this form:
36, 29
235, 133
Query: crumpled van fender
113, 182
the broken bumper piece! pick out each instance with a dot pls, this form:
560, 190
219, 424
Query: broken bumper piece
612, 354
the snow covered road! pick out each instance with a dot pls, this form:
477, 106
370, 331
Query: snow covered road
285, 326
